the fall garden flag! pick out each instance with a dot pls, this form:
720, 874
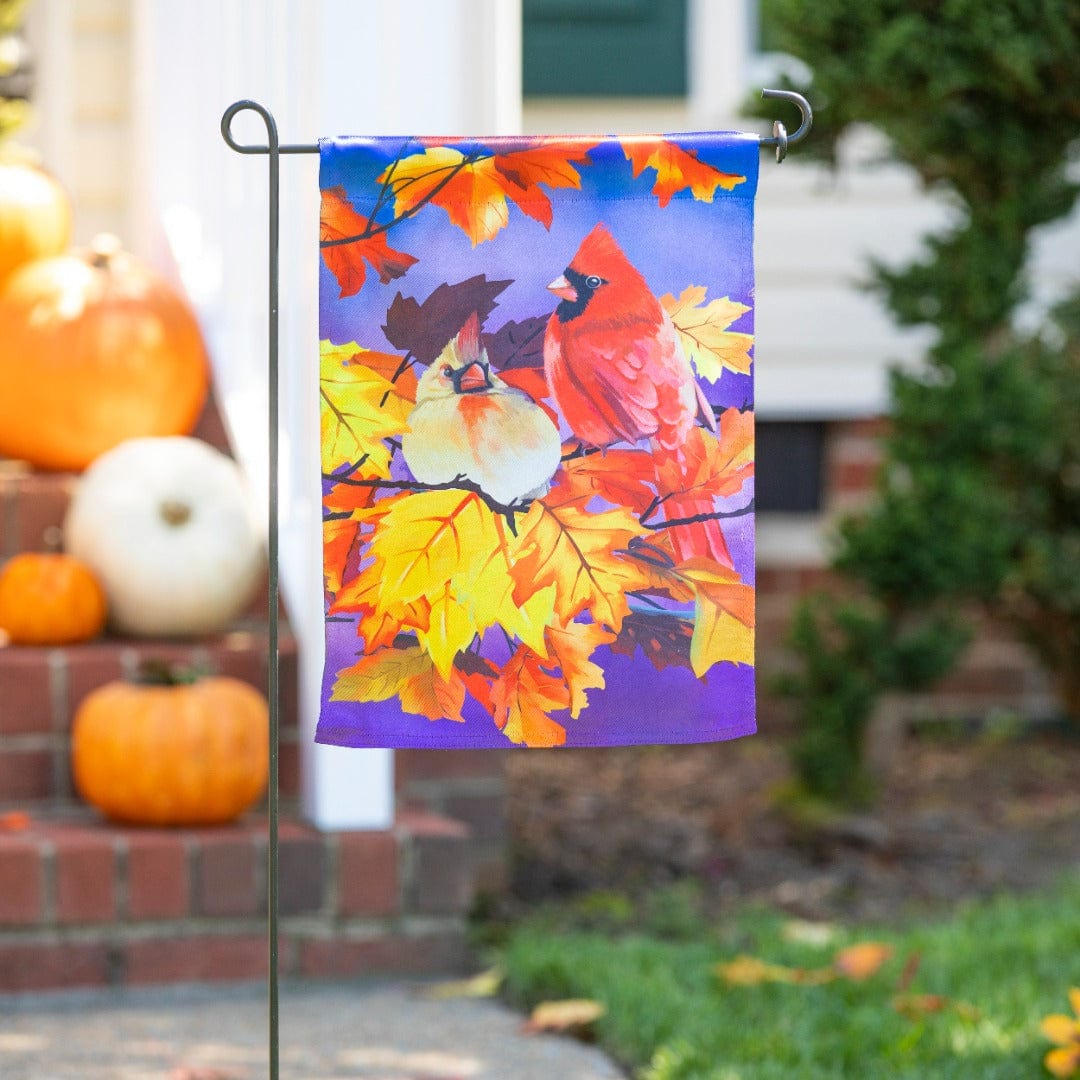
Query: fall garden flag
537, 440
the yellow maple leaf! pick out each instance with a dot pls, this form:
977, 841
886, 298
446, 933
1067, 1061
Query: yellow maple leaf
571, 646
424, 539
487, 588
562, 544
359, 409
410, 675
450, 549
451, 628
390, 366
723, 615
522, 697
704, 334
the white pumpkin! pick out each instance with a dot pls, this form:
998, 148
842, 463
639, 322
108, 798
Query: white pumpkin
167, 526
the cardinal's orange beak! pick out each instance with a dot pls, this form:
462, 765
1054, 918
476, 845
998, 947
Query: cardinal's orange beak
561, 287
472, 378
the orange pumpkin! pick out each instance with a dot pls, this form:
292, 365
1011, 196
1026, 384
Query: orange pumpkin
50, 599
96, 348
188, 754
35, 216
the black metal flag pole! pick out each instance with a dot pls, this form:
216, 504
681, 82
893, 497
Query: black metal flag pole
273, 149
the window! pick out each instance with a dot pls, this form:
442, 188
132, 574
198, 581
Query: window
788, 467
604, 48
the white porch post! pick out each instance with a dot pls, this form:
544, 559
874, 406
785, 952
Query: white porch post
322, 67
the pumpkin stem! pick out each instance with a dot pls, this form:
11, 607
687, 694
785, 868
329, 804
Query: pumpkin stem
157, 671
103, 249
175, 512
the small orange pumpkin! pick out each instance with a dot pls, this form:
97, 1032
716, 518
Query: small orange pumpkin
35, 216
185, 754
96, 348
50, 599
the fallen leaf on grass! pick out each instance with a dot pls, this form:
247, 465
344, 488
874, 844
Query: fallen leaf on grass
486, 984
570, 1015
858, 962
751, 971
918, 1006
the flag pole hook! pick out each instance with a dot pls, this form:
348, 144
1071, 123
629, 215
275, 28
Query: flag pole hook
780, 138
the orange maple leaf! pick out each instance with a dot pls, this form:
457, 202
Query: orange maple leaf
522, 696
716, 465
571, 646
380, 618
353, 245
563, 544
723, 615
620, 476
474, 188
339, 538
676, 170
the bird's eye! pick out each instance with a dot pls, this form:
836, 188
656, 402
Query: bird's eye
593, 282
447, 370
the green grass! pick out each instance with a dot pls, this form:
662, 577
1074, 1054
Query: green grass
670, 1018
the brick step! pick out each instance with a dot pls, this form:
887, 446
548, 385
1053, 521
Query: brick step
41, 689
86, 903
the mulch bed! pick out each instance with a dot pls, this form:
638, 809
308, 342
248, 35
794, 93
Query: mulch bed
960, 816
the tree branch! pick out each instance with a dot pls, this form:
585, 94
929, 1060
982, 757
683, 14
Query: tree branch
459, 483
373, 229
694, 519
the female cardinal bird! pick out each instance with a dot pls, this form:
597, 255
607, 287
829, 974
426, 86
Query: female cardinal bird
469, 424
617, 372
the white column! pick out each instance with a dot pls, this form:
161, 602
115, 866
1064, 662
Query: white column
325, 67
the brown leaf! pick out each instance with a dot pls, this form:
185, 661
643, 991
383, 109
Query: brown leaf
424, 329
664, 639
569, 1015
517, 344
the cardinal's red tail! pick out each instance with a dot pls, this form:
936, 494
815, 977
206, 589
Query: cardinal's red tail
687, 502
697, 535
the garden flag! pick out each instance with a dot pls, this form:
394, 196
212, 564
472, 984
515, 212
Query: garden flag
537, 440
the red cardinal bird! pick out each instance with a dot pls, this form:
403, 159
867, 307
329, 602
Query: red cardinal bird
617, 372
469, 423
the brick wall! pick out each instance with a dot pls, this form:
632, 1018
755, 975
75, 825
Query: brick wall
997, 673
87, 904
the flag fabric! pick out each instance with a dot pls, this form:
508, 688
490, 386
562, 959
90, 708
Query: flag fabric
536, 389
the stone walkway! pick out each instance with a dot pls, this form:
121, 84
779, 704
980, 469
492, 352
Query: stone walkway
328, 1032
